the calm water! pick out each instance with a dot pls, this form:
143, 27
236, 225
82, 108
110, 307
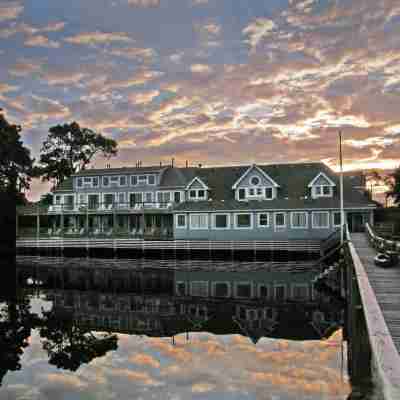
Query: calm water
101, 329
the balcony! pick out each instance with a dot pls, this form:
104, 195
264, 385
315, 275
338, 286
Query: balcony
91, 207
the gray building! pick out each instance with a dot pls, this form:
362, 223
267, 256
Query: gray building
256, 202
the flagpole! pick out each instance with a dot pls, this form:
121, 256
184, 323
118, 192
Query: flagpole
341, 190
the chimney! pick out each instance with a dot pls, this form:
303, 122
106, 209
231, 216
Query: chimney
172, 162
200, 165
160, 164
187, 163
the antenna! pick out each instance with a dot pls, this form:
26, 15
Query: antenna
341, 190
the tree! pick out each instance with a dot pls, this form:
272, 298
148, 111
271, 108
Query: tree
69, 148
393, 182
69, 345
16, 164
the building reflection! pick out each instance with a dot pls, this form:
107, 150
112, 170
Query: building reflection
169, 298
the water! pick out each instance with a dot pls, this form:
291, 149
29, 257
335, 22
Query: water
147, 329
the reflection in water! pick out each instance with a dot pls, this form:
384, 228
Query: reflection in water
145, 325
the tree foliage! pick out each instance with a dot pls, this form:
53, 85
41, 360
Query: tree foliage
393, 182
70, 345
16, 164
69, 148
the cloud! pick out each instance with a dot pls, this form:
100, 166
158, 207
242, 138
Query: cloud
45, 108
135, 376
25, 68
65, 78
41, 41
144, 3
145, 360
10, 10
202, 69
143, 97
55, 26
5, 88
177, 57
97, 37
135, 53
258, 30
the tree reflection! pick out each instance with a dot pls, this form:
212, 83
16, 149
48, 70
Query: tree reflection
69, 345
15, 328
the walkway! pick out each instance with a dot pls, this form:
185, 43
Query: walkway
385, 283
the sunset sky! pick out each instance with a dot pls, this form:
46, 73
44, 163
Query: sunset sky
209, 81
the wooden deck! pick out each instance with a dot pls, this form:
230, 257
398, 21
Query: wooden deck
379, 292
385, 283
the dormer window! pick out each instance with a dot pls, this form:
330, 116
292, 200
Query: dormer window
197, 194
197, 190
321, 186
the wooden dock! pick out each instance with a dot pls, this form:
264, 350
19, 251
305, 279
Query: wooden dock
373, 316
385, 283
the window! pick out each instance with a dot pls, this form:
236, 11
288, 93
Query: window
255, 180
300, 292
243, 221
263, 220
142, 179
95, 181
242, 194
299, 220
79, 182
177, 197
192, 194
106, 181
243, 290
336, 218
151, 180
180, 288
148, 197
164, 197
221, 221
181, 221
269, 193
221, 289
121, 198
122, 181
280, 220
280, 292
199, 288
82, 199
263, 291
134, 180
114, 179
58, 200
135, 198
320, 219
93, 200
108, 199
323, 191
198, 221
200, 194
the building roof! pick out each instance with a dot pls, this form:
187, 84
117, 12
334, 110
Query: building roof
293, 180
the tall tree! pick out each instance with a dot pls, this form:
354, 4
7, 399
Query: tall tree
16, 164
393, 182
69, 148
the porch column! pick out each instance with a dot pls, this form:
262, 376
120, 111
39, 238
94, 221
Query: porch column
142, 222
87, 222
114, 221
371, 218
16, 224
37, 225
62, 223
129, 224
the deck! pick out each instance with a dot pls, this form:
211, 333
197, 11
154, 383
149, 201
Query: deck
379, 293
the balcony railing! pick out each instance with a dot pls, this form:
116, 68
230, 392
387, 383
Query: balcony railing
108, 207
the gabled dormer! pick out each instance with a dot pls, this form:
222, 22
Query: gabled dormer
196, 190
321, 186
255, 184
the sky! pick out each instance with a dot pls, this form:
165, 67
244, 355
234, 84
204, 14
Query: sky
209, 81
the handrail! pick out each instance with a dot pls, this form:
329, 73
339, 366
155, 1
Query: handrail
384, 351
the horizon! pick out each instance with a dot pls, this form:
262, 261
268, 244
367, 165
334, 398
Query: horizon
208, 81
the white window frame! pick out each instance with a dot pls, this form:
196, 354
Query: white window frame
276, 286
197, 197
228, 221
316, 195
103, 198
124, 196
243, 283
155, 180
129, 197
267, 286
162, 192
320, 212
291, 219
177, 219
84, 202
79, 179
259, 218
202, 282
215, 283
299, 285
102, 182
193, 228
140, 181
273, 193
255, 184
131, 180
333, 219
243, 227
119, 180
277, 227
144, 194
98, 202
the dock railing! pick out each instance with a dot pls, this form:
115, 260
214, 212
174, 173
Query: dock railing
384, 357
